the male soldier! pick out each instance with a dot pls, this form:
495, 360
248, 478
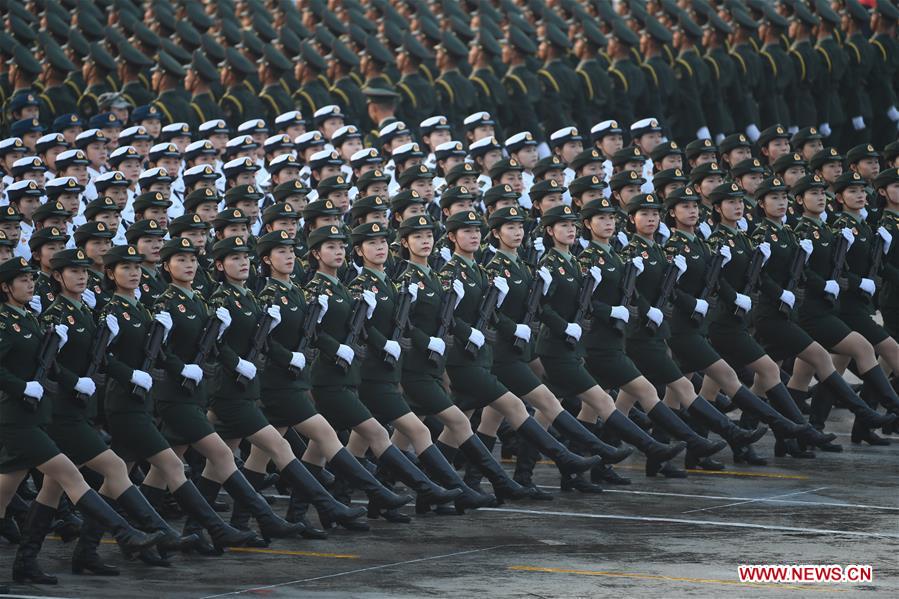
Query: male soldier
168, 78
201, 76
240, 102
274, 94
455, 93
99, 65
594, 73
56, 99
345, 91
131, 66
313, 92
522, 87
419, 100
565, 106
491, 93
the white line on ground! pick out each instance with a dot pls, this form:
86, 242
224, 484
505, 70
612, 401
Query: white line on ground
357, 571
818, 531
760, 499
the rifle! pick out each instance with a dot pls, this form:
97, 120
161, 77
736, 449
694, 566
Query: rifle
669, 280
207, 342
307, 334
447, 308
628, 287
876, 257
753, 272
712, 274
97, 355
400, 322
796, 267
485, 313
531, 305
152, 347
840, 251
583, 307
257, 343
46, 355
357, 328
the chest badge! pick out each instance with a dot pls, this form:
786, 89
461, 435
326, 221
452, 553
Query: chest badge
71, 319
731, 243
237, 303
284, 299
816, 235
773, 236
146, 287
645, 254
686, 249
126, 316
182, 308
16, 328
507, 273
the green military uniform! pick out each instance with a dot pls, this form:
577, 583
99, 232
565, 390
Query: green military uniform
419, 100
348, 95
240, 103
88, 101
598, 99
57, 100
807, 67
888, 300
455, 96
490, 91
524, 93
173, 107
778, 81
137, 94
564, 104
152, 286
313, 95
204, 108
276, 101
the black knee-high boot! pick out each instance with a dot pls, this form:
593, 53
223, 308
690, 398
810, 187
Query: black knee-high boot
395, 462
67, 524
85, 557
348, 467
435, 463
525, 462
572, 429
722, 425
866, 416
245, 494
330, 511
473, 472
193, 503
783, 402
37, 524
567, 462
481, 458
128, 538
136, 505
697, 445
297, 507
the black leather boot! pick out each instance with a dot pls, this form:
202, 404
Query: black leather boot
161, 502
9, 530
843, 392
141, 511
193, 503
349, 468
525, 462
406, 472
694, 461
801, 398
697, 445
434, 462
85, 557
790, 447
640, 439
780, 419
240, 513
877, 384
67, 524
567, 462
473, 473
37, 524
572, 429
297, 508
209, 489
481, 458
783, 402
271, 525
746, 454
306, 485
128, 538
722, 425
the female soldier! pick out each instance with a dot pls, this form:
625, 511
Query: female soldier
25, 442
688, 341
335, 387
646, 336
44, 244
774, 316
379, 390
471, 358
129, 404
182, 407
422, 376
234, 405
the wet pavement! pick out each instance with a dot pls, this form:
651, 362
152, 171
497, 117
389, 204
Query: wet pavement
653, 538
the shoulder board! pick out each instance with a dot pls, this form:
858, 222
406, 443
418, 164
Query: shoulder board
409, 93
823, 52
648, 67
516, 79
883, 51
686, 65
481, 83
449, 90
548, 76
795, 53
770, 61
621, 77
858, 55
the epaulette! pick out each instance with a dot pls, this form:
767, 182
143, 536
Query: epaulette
621, 77
826, 56
546, 74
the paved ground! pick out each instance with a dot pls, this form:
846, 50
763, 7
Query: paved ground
655, 538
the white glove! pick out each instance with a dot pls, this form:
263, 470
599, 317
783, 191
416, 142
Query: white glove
702, 306
893, 114
371, 301
743, 224
725, 252
113, 325
596, 275
744, 302
833, 288
538, 245
863, 213
622, 238
825, 129
621, 313
357, 267
719, 137
35, 304
705, 229
192, 372
681, 264
89, 298
523, 332
436, 344
142, 380
823, 216
848, 235
245, 369
346, 353
574, 330
446, 254
664, 231
655, 315
476, 337
392, 348
137, 293
765, 248
62, 331
887, 239
275, 313
788, 298
753, 132
224, 317
459, 290
868, 286
298, 360
412, 288
34, 389
637, 261
165, 319
502, 285
808, 247
703, 133
546, 277
858, 123
323, 302
793, 129
86, 386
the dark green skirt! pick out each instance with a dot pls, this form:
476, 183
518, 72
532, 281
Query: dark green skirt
24, 447
78, 439
517, 376
184, 423
611, 369
781, 337
735, 345
287, 407
237, 418
134, 435
826, 329
891, 320
383, 400
692, 351
567, 376
863, 323
341, 406
474, 387
425, 393
650, 356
